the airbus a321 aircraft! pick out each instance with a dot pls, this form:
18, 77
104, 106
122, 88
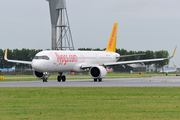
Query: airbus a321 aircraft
96, 62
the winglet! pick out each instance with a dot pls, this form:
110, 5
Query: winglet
112, 41
5, 56
174, 52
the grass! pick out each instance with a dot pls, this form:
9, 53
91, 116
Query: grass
70, 77
106, 103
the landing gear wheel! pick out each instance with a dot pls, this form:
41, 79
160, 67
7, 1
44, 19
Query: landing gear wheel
95, 80
44, 79
100, 80
59, 78
63, 78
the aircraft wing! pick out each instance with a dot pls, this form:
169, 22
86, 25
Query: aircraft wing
122, 63
133, 62
129, 62
16, 61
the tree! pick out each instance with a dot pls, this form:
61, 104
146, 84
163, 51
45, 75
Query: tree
161, 54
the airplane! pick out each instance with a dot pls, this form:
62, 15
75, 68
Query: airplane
168, 70
46, 62
7, 69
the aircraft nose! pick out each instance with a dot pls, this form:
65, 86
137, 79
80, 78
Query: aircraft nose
40, 65
36, 65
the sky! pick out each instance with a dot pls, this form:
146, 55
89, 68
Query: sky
142, 24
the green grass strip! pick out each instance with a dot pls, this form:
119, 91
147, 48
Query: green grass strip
109, 103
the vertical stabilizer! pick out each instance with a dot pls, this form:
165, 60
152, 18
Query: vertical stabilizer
112, 41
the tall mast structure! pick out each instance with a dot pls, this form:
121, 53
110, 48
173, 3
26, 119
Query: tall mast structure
62, 39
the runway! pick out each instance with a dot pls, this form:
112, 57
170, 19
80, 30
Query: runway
115, 82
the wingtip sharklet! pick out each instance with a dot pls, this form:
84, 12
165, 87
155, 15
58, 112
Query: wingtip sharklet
5, 56
174, 52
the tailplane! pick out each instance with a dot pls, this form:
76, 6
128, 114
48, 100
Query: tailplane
112, 41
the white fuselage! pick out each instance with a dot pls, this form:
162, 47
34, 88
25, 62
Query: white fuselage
63, 61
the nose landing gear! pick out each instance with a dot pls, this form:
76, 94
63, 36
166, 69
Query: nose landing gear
46, 76
45, 79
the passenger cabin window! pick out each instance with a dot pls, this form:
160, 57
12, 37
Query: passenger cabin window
42, 57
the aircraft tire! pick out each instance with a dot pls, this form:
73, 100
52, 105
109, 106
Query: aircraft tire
59, 78
95, 80
44, 79
63, 78
100, 80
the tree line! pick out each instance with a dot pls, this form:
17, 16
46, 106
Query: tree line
28, 55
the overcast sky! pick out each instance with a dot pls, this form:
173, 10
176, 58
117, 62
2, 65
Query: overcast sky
142, 24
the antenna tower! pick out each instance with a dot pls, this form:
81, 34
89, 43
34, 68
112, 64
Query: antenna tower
61, 38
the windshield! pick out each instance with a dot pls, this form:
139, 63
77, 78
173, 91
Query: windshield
42, 57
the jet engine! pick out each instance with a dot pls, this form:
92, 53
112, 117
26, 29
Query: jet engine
98, 72
38, 75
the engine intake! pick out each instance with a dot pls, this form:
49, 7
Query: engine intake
38, 75
98, 72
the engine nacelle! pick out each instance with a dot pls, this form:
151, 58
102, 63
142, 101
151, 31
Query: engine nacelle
98, 72
38, 75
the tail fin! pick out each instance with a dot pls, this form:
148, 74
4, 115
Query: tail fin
112, 41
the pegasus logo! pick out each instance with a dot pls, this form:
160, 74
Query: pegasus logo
63, 59
112, 37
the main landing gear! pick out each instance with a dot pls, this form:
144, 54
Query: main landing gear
100, 80
61, 77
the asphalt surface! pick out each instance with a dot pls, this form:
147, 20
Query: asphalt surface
116, 82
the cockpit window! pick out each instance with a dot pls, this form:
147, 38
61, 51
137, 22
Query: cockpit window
42, 57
